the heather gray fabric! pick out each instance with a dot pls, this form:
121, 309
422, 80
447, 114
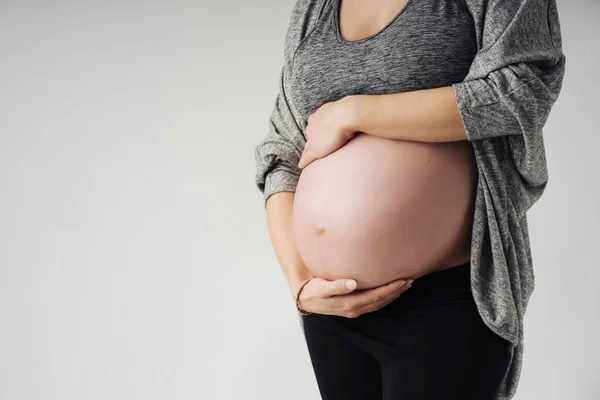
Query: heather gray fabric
505, 63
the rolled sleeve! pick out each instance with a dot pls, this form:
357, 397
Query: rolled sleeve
516, 76
280, 179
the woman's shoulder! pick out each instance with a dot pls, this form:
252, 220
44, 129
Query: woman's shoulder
307, 10
304, 15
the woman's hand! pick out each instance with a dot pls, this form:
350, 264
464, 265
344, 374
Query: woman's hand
328, 129
321, 296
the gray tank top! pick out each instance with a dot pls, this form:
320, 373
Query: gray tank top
428, 44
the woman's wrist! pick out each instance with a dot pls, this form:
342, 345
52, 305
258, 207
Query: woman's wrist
356, 104
296, 282
301, 310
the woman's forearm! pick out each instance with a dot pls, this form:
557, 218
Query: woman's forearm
279, 208
429, 115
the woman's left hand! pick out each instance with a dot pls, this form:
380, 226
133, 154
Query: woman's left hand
328, 129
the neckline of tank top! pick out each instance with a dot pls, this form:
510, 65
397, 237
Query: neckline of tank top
336, 24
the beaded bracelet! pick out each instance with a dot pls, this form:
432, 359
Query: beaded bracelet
300, 309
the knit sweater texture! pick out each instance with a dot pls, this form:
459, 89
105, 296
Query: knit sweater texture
504, 61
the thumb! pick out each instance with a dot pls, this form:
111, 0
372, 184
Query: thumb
301, 162
342, 286
303, 158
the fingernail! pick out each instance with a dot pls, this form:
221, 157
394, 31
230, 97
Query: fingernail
409, 282
350, 284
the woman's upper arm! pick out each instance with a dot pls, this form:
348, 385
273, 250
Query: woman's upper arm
278, 152
517, 74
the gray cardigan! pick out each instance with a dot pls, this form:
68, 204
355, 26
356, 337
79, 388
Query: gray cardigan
511, 84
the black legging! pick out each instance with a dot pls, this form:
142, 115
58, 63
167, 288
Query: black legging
428, 344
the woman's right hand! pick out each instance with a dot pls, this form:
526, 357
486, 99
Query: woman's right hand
339, 297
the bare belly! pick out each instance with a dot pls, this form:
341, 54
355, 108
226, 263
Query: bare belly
380, 209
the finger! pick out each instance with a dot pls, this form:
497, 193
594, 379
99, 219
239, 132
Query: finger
382, 302
338, 287
386, 299
392, 287
376, 294
301, 162
306, 157
400, 285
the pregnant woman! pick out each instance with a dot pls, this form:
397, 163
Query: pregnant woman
404, 148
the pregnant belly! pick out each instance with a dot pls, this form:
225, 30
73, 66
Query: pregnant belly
380, 209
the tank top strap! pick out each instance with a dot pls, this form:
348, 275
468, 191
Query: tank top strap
319, 23
323, 10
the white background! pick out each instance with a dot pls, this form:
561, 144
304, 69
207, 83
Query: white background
135, 261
